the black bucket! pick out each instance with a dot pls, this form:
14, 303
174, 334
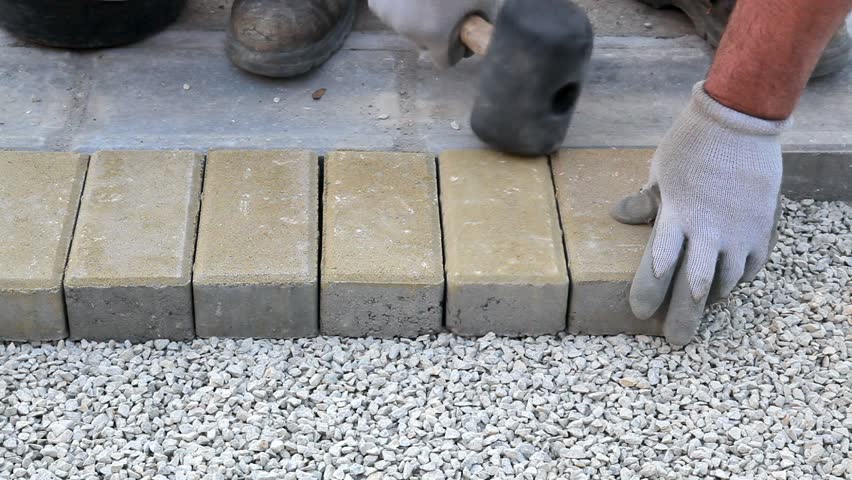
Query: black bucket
86, 23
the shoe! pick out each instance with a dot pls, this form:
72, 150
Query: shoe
285, 38
710, 18
86, 24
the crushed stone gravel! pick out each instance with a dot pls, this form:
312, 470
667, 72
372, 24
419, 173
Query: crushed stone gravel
765, 392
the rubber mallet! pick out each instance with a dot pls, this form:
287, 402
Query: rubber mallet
534, 63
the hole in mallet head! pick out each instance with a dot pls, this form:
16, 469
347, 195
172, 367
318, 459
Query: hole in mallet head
565, 98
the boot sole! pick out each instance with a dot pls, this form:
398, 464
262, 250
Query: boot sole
292, 63
834, 58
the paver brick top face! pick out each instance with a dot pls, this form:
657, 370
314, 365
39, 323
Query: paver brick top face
137, 220
259, 218
381, 222
588, 184
39, 194
494, 225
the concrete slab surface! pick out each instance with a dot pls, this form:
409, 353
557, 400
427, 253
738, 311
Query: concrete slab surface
130, 267
382, 263
505, 263
42, 91
194, 98
39, 196
134, 97
256, 261
603, 255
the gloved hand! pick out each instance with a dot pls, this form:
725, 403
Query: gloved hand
713, 195
434, 25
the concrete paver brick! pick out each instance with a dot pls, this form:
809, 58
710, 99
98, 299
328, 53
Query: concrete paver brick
603, 255
39, 196
382, 269
258, 245
129, 272
505, 263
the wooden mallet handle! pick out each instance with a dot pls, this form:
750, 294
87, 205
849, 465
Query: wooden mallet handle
476, 34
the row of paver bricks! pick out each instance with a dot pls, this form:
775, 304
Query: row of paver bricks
151, 244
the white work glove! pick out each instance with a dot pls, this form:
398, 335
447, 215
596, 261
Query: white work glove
713, 195
434, 25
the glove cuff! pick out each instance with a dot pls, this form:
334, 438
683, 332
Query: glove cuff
740, 122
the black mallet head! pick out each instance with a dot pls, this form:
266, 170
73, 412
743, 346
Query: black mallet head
532, 75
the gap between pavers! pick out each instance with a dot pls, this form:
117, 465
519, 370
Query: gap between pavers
382, 261
603, 255
256, 260
39, 197
129, 270
505, 264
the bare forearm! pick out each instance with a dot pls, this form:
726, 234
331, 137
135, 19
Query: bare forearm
769, 50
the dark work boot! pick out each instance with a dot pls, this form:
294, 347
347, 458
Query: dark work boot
86, 23
711, 17
284, 38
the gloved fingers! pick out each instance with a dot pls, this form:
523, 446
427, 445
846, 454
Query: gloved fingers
639, 208
668, 242
729, 272
684, 313
650, 287
700, 261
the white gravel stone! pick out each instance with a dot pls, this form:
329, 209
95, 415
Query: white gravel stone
763, 393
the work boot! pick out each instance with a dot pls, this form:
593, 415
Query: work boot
86, 23
711, 17
285, 38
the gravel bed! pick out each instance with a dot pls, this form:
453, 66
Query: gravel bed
764, 392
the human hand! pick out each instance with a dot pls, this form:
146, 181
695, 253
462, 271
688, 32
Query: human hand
434, 25
713, 195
